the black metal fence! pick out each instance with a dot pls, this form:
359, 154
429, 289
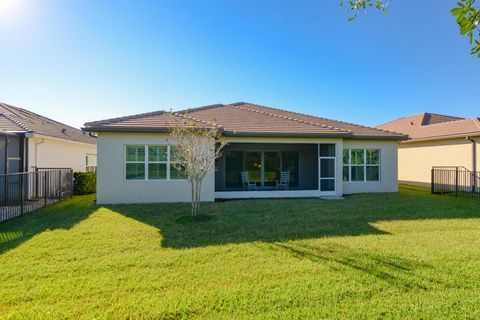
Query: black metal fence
456, 181
27, 191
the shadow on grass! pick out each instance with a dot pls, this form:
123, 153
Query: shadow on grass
399, 271
62, 215
290, 219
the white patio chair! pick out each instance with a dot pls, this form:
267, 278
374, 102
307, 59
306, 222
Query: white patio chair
284, 181
247, 185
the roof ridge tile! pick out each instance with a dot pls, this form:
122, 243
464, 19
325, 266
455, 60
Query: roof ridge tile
477, 122
17, 122
210, 106
291, 118
123, 118
308, 115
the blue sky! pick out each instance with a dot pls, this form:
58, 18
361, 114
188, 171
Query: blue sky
78, 61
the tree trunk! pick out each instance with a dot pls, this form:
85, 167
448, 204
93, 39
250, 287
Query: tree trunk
199, 191
194, 193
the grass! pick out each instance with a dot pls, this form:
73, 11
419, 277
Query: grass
405, 255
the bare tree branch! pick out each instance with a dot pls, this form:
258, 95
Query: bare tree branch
197, 149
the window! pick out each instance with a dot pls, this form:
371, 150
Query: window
176, 168
90, 162
372, 164
157, 162
346, 165
153, 162
361, 165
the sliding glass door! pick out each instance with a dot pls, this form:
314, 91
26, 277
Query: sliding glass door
271, 168
263, 167
233, 167
253, 165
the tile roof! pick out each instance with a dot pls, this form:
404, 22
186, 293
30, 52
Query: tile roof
246, 119
431, 126
14, 119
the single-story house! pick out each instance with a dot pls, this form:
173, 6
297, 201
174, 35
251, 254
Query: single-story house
435, 140
29, 140
322, 157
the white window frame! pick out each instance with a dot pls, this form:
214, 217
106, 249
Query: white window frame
364, 165
146, 162
125, 162
373, 165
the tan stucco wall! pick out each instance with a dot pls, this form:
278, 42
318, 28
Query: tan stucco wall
388, 167
57, 153
113, 188
415, 160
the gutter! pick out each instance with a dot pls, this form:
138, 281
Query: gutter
443, 137
345, 135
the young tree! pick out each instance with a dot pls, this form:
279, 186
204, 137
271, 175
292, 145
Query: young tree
468, 17
197, 148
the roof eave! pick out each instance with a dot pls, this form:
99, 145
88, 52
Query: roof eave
226, 133
348, 135
125, 129
372, 137
444, 137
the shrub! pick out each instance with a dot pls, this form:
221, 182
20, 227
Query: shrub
85, 182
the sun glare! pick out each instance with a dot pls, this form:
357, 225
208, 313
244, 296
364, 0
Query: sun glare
10, 9
7, 6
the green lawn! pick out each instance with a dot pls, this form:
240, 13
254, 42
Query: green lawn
405, 255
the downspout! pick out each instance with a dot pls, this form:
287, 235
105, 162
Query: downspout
474, 153
37, 143
474, 163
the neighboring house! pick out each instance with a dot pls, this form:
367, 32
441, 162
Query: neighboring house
29, 140
323, 157
435, 140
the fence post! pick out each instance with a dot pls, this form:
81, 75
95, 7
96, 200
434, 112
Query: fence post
5, 187
432, 186
59, 184
456, 181
21, 193
474, 184
45, 187
72, 185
